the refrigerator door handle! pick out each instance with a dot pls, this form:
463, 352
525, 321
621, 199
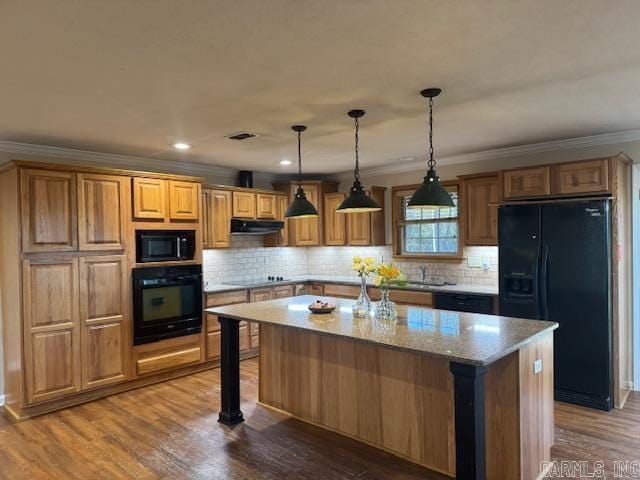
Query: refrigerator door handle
544, 284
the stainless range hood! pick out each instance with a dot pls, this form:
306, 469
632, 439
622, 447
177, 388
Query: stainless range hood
255, 227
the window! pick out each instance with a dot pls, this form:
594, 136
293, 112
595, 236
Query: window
422, 232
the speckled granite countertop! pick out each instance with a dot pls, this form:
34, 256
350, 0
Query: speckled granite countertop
468, 338
353, 280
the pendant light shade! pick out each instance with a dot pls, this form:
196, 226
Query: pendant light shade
357, 201
431, 193
300, 207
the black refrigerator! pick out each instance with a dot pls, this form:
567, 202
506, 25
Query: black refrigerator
555, 264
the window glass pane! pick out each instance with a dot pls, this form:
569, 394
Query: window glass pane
429, 230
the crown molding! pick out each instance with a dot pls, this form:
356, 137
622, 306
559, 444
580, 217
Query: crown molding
515, 151
124, 161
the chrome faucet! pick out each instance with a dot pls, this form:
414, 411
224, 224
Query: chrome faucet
423, 273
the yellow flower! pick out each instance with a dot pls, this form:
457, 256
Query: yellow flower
369, 261
357, 259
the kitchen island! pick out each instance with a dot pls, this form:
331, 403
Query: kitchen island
468, 395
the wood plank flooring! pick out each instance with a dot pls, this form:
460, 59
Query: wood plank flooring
170, 431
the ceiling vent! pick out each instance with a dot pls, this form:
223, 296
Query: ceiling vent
241, 136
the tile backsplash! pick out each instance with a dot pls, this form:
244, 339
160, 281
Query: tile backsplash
247, 261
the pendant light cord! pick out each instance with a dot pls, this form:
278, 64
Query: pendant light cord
431, 163
356, 171
299, 161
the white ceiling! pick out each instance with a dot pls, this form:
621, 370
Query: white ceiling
131, 77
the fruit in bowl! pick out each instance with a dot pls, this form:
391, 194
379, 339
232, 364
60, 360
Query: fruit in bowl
320, 306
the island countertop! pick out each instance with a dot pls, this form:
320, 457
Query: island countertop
467, 338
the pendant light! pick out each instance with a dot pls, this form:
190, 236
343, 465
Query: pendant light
300, 207
358, 201
431, 193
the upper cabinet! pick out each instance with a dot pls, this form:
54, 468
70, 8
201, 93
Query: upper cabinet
582, 177
102, 210
281, 238
480, 196
305, 232
527, 182
158, 199
205, 208
219, 219
184, 198
149, 198
244, 205
48, 207
335, 224
266, 206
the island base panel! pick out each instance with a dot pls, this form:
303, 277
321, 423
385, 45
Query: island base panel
404, 403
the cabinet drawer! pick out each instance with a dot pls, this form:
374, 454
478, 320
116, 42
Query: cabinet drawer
213, 345
226, 298
346, 291
168, 360
407, 297
582, 177
213, 325
284, 291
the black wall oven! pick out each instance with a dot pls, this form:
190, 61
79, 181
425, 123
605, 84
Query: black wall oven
165, 245
167, 302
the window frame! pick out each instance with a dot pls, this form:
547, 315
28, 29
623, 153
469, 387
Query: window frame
396, 226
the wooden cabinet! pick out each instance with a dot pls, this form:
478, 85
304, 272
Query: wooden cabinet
48, 210
260, 294
205, 208
103, 320
527, 182
316, 289
479, 212
244, 205
220, 220
184, 198
212, 339
168, 354
283, 291
306, 231
358, 228
102, 211
335, 230
149, 198
51, 328
577, 178
341, 291
266, 206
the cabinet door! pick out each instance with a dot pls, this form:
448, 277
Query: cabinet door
48, 207
184, 198
103, 320
334, 222
220, 219
244, 205
481, 196
51, 328
280, 238
102, 207
582, 177
149, 198
284, 291
306, 231
206, 217
266, 206
260, 295
527, 182
358, 228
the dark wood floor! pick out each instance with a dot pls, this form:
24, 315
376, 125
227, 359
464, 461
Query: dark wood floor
170, 431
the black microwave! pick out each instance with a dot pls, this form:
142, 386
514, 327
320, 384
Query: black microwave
165, 245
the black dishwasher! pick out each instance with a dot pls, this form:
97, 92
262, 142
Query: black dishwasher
463, 302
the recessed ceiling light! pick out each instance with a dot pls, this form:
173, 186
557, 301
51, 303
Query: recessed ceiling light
181, 146
285, 162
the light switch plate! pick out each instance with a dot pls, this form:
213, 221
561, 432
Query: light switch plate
537, 366
474, 262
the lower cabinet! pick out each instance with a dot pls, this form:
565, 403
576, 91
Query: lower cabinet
168, 354
75, 324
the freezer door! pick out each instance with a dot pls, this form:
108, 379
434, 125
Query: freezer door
575, 273
518, 260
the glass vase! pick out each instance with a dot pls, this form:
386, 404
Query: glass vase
385, 309
362, 307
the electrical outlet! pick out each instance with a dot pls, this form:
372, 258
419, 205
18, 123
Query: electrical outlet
474, 262
537, 366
